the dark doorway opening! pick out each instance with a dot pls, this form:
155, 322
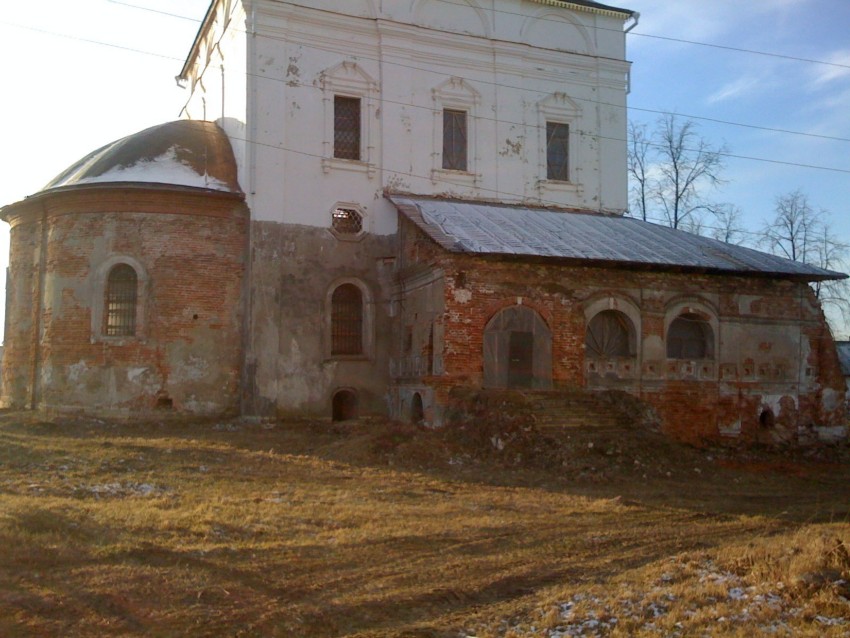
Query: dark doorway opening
344, 405
521, 359
417, 411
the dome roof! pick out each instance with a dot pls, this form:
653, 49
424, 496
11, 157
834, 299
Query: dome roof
189, 153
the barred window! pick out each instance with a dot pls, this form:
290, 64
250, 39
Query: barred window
347, 320
347, 221
557, 151
346, 127
120, 302
454, 140
690, 337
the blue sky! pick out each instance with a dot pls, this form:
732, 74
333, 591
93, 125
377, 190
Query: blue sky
65, 96
760, 90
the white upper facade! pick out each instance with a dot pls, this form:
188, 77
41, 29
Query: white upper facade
515, 101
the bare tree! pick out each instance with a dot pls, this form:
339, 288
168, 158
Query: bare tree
728, 225
834, 294
687, 164
671, 170
639, 159
793, 228
800, 233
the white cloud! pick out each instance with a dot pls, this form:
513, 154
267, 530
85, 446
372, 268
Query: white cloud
735, 89
824, 74
714, 22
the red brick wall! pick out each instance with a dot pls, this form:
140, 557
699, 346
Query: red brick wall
187, 351
765, 327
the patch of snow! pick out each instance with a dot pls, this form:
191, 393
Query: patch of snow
830, 622
165, 169
121, 489
736, 593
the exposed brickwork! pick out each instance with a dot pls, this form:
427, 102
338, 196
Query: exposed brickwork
774, 374
186, 353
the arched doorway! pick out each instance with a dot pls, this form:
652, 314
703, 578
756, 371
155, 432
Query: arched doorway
517, 350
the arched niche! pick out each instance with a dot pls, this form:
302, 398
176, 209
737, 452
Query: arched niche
517, 350
460, 16
691, 330
554, 30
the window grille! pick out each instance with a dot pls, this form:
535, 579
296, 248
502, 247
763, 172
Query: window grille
347, 221
690, 337
454, 140
346, 127
120, 315
557, 151
347, 320
609, 335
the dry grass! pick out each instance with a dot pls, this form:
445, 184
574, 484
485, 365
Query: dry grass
375, 529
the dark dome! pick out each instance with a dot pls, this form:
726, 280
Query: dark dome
189, 153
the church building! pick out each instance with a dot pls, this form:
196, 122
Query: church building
367, 204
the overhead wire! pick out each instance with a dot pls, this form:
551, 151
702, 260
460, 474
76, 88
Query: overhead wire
443, 74
771, 54
629, 107
671, 39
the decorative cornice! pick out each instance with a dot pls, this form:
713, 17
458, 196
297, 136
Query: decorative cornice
122, 198
611, 12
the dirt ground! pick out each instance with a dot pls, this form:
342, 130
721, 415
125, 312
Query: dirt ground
371, 528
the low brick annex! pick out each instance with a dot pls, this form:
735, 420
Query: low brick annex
719, 355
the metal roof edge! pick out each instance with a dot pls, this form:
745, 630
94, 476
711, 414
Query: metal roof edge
407, 204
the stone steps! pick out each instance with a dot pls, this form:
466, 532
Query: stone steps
574, 409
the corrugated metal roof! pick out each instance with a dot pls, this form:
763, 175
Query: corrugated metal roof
843, 348
494, 229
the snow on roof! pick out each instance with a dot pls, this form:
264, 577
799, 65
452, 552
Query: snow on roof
164, 169
494, 229
187, 153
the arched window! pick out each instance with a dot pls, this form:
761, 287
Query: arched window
121, 296
690, 337
347, 320
610, 334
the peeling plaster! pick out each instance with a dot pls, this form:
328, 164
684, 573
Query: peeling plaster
461, 295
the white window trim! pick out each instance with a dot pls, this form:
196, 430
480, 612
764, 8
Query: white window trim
99, 282
620, 304
456, 94
368, 324
560, 109
694, 368
348, 79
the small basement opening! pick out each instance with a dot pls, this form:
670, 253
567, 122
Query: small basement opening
417, 411
344, 406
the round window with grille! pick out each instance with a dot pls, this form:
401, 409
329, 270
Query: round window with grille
347, 222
